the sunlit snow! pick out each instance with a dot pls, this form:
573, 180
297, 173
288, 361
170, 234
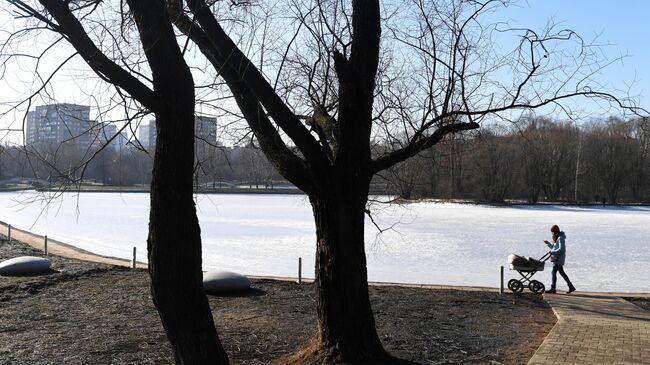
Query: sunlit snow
428, 243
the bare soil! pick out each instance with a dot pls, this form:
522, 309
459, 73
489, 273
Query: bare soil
87, 313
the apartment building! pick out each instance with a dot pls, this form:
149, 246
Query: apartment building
59, 123
147, 134
205, 130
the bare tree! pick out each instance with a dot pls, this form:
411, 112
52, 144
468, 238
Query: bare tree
456, 147
639, 177
428, 72
403, 177
430, 172
495, 165
349, 73
609, 149
531, 159
560, 152
167, 90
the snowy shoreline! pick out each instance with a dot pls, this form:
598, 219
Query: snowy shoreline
294, 191
429, 243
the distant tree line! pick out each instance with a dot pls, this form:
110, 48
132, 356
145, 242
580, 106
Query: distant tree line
60, 165
534, 160
130, 165
537, 159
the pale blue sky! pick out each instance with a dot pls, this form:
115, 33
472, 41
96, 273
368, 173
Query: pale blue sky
623, 26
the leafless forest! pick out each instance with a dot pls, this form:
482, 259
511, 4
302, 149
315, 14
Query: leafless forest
534, 160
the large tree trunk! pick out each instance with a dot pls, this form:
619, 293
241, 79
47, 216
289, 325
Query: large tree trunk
346, 323
174, 242
347, 331
175, 246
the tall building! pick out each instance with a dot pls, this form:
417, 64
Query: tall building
147, 134
119, 143
59, 123
31, 131
205, 129
102, 133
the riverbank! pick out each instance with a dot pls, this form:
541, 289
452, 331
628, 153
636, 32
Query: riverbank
421, 243
286, 189
62, 249
145, 189
98, 313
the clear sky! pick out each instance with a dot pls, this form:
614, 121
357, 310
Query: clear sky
620, 26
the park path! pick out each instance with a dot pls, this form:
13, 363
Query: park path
591, 328
595, 329
62, 249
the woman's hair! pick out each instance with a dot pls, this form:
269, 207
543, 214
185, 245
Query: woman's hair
556, 236
556, 232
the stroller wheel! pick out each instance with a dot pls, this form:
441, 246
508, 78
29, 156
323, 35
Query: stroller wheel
537, 287
510, 283
517, 286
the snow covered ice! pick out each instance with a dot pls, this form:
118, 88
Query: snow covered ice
426, 243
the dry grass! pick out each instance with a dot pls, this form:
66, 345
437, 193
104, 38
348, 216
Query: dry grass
98, 314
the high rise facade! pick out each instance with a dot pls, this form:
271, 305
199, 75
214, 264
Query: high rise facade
147, 134
102, 133
205, 130
31, 130
59, 123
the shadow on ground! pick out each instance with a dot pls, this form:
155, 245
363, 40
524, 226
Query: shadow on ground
252, 292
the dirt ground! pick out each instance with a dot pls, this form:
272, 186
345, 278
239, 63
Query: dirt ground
86, 313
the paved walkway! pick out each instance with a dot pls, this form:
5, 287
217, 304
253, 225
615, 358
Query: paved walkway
595, 329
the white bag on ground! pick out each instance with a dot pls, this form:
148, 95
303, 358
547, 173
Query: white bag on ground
24, 265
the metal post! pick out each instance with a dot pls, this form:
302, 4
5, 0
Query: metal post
45, 245
299, 270
9, 233
501, 288
134, 257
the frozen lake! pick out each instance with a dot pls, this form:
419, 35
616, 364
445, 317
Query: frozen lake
429, 243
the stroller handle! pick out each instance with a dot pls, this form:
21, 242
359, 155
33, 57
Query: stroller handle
546, 256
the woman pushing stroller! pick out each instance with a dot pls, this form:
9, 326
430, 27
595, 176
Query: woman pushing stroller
558, 253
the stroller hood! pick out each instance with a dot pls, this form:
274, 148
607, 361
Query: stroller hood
525, 263
517, 260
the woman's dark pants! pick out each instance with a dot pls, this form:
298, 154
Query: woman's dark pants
560, 268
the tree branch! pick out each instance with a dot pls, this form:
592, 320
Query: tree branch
416, 146
288, 164
244, 70
70, 27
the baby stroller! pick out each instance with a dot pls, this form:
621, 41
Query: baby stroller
526, 267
